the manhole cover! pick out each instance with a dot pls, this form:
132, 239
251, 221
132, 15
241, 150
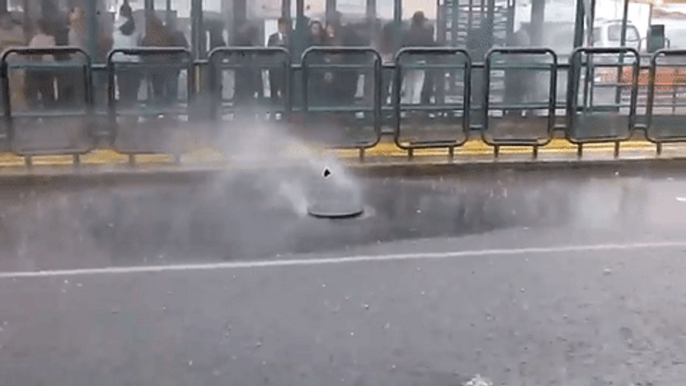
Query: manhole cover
335, 210
333, 198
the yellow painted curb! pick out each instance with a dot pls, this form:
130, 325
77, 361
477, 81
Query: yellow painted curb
208, 155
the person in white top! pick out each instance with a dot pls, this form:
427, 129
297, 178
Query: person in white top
129, 79
40, 83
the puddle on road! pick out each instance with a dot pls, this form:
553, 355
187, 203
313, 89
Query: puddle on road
56, 227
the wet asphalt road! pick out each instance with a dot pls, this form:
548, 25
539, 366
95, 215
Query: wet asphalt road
529, 317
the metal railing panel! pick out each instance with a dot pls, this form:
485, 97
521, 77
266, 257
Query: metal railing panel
159, 122
419, 123
341, 96
55, 114
520, 116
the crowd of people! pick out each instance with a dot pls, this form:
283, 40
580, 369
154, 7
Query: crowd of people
44, 87
336, 86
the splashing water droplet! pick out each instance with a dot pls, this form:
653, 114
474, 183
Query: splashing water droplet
478, 380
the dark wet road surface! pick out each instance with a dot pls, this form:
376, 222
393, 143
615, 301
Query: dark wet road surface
528, 317
255, 216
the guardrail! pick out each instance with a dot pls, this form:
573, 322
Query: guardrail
162, 66
76, 138
516, 114
607, 96
455, 115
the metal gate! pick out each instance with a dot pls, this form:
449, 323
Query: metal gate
58, 119
666, 110
250, 97
342, 114
521, 113
443, 124
158, 123
613, 118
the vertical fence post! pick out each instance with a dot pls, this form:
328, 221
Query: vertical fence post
579, 24
197, 30
93, 19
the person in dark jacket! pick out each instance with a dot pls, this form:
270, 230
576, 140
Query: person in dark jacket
420, 34
178, 40
156, 35
315, 36
277, 77
248, 80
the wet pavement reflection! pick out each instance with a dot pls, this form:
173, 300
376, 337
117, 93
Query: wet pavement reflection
247, 216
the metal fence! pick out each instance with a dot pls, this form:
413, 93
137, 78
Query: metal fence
521, 100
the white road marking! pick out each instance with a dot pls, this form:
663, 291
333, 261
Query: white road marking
339, 260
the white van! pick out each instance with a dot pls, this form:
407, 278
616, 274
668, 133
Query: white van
608, 33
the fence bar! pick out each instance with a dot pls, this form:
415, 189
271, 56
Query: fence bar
550, 106
86, 67
572, 96
465, 65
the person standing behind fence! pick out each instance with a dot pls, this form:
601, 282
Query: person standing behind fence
40, 84
277, 77
420, 34
157, 36
348, 81
315, 36
179, 41
330, 86
126, 36
12, 35
80, 37
248, 80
